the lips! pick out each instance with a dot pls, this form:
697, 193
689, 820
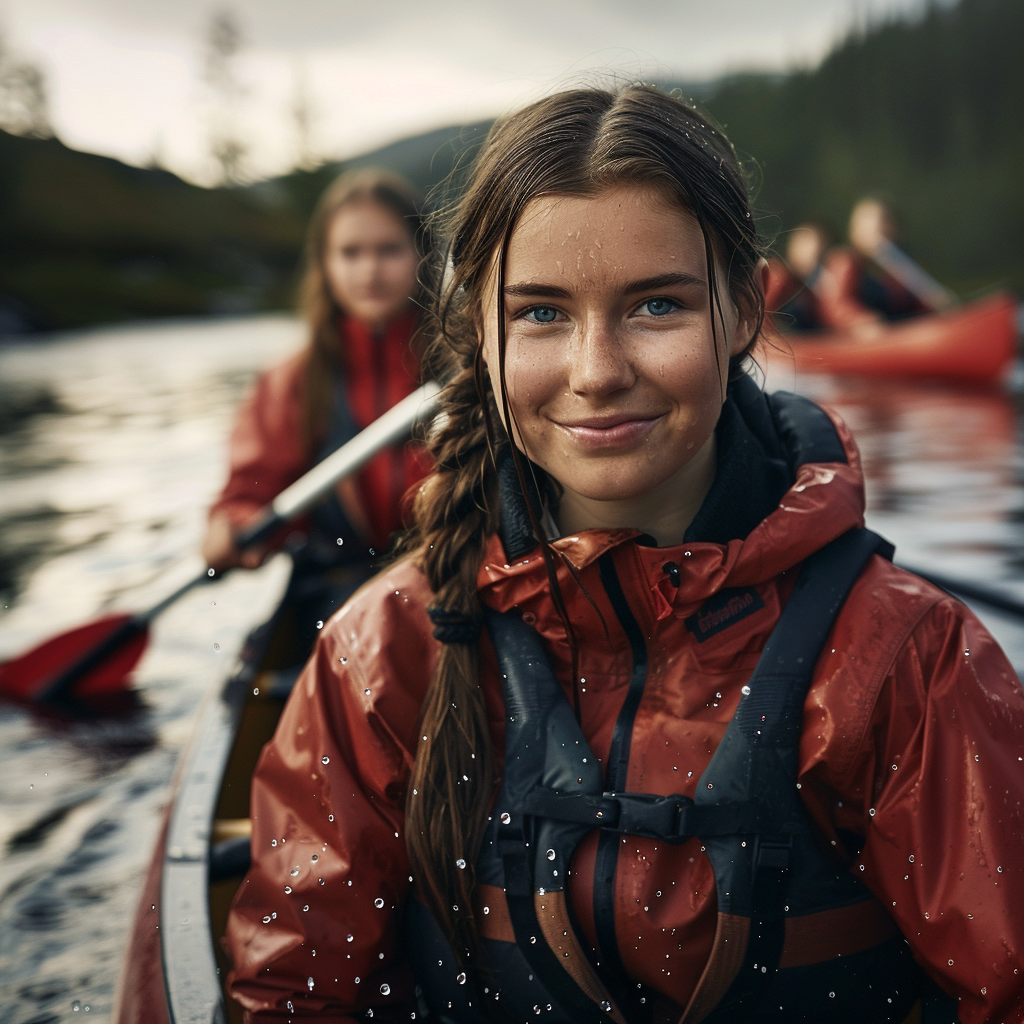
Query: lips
610, 432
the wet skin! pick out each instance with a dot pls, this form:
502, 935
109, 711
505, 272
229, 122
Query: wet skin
614, 376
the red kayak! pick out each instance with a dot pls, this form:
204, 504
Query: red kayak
975, 343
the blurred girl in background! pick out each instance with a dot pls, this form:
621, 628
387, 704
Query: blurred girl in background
359, 299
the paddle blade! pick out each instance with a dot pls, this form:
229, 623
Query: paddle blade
107, 649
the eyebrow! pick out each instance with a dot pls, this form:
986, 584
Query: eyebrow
551, 291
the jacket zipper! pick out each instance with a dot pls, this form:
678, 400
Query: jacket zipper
616, 770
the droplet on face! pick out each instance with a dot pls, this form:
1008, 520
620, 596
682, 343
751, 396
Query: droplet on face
309, 983
325, 759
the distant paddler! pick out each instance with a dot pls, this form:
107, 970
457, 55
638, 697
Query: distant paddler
873, 232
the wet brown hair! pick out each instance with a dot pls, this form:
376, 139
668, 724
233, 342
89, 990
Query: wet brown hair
316, 304
575, 143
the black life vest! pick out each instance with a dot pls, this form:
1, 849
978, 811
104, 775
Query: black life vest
798, 939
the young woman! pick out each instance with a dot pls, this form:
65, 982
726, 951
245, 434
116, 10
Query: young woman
364, 247
594, 747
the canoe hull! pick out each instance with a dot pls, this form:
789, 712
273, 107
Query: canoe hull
975, 344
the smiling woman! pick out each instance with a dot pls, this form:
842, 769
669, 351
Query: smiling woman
614, 374
643, 725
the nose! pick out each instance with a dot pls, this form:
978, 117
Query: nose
599, 363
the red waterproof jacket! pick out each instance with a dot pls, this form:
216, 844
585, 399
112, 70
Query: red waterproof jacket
267, 449
913, 739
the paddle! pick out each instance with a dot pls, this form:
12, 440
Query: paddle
97, 658
869, 226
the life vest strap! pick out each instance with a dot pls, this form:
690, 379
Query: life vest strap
670, 819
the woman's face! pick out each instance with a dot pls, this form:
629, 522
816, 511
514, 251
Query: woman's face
611, 367
369, 262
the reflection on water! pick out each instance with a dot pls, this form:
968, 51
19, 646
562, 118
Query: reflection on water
104, 477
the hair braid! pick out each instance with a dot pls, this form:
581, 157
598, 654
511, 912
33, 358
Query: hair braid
453, 775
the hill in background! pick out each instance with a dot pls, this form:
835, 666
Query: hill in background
928, 114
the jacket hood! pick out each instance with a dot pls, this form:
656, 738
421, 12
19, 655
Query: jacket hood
788, 481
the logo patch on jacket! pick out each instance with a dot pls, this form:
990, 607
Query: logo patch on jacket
723, 610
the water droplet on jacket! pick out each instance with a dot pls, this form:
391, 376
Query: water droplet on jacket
291, 1006
911, 858
487, 910
305, 908
950, 962
605, 1005
460, 864
216, 647
505, 817
711, 785
871, 812
745, 690
211, 572
551, 856
461, 977
330, 817
999, 868
831, 995
378, 903
319, 623
325, 759
385, 989
341, 540
349, 938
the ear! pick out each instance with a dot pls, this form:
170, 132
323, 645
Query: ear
747, 323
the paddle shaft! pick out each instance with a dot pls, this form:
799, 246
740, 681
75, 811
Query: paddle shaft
291, 502
307, 490
890, 257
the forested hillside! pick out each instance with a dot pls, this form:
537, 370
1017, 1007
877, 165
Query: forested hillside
927, 114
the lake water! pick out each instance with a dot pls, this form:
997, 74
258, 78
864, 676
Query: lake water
113, 445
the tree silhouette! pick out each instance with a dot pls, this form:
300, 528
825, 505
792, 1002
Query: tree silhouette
227, 146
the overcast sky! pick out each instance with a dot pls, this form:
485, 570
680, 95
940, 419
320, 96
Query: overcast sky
125, 76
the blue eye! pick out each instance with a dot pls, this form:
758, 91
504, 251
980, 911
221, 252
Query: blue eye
659, 307
542, 314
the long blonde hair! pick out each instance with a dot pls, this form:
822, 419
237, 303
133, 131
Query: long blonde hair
576, 143
316, 304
